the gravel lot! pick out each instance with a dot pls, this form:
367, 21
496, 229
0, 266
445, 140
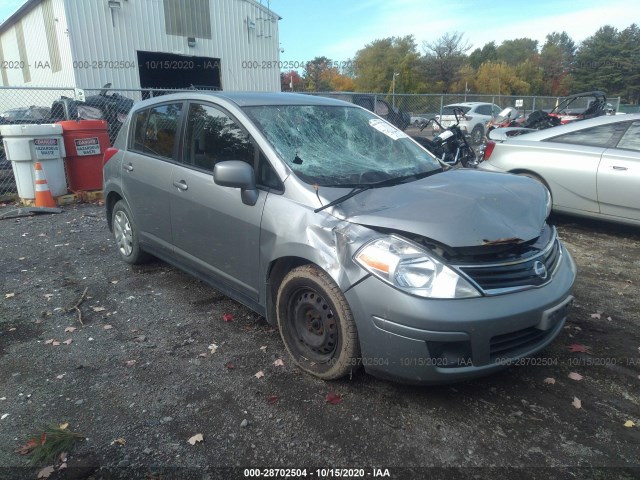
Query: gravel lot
154, 363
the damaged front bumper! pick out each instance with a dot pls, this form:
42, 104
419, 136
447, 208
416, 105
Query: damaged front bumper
428, 341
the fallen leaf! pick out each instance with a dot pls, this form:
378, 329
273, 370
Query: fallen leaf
333, 398
55, 343
70, 329
119, 441
576, 347
43, 438
63, 426
63, 465
107, 327
259, 374
196, 438
60, 377
114, 281
279, 363
203, 355
550, 380
609, 318
272, 399
68, 342
27, 447
98, 309
213, 347
227, 317
47, 342
576, 402
596, 315
629, 424
263, 348
12, 329
46, 472
63, 457
575, 376
131, 363
4, 415
48, 296
9, 295
230, 365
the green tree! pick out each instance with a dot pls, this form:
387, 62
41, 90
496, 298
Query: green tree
443, 59
376, 64
531, 72
556, 59
488, 53
514, 52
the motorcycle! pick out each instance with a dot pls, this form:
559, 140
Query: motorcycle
450, 145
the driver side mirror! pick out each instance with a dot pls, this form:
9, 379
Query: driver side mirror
237, 174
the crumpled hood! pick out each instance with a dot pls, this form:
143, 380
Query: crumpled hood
458, 208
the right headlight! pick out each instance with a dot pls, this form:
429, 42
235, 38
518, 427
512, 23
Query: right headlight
412, 269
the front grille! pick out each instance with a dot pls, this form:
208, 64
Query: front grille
508, 344
533, 271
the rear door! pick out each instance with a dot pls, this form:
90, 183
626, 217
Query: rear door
147, 168
619, 176
213, 231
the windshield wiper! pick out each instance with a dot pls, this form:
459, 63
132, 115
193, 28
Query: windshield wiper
359, 188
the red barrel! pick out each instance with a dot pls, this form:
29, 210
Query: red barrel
85, 142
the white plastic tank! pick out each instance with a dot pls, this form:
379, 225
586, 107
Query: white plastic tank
26, 144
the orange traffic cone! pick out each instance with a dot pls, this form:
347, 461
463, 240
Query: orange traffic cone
43, 194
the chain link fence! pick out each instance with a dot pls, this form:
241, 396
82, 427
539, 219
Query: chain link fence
23, 105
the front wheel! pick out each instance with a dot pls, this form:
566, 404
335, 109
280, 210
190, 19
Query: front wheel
316, 323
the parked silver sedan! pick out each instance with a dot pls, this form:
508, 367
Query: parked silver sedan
591, 168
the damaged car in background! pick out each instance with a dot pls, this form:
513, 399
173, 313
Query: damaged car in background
334, 225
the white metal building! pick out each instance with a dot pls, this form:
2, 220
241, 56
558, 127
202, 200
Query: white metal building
226, 44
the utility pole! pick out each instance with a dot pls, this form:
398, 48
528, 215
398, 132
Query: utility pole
393, 97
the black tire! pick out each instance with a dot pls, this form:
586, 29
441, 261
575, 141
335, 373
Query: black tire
126, 235
477, 134
316, 323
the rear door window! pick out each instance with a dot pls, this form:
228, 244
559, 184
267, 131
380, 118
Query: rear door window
631, 139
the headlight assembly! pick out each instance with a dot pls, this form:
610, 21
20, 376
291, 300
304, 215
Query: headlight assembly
412, 269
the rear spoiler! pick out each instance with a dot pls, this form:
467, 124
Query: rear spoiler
502, 134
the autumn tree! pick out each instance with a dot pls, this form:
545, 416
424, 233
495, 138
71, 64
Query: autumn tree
315, 75
376, 64
501, 79
291, 81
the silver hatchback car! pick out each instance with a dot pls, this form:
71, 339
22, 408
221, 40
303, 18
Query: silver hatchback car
340, 229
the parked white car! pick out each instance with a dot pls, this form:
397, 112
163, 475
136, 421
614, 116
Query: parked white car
476, 115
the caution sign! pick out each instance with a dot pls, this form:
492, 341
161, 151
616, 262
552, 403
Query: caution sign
46, 148
87, 146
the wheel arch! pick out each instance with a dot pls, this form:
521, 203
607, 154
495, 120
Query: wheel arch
276, 272
109, 202
537, 176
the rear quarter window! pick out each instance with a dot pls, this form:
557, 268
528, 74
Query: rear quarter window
155, 130
601, 136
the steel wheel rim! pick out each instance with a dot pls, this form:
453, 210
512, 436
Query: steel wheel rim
314, 325
123, 233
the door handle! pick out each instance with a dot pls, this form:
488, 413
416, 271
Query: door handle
616, 167
181, 185
128, 167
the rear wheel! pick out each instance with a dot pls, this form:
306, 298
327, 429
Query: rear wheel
476, 134
126, 235
316, 323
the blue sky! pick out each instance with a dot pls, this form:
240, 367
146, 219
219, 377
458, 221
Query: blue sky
337, 29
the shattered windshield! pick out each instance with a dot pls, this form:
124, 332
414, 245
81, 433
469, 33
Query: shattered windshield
336, 145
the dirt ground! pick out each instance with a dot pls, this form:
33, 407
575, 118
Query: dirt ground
154, 363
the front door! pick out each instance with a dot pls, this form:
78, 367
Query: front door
213, 230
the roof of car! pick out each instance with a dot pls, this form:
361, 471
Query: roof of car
250, 99
468, 104
573, 126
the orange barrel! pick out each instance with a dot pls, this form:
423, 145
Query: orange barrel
85, 142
